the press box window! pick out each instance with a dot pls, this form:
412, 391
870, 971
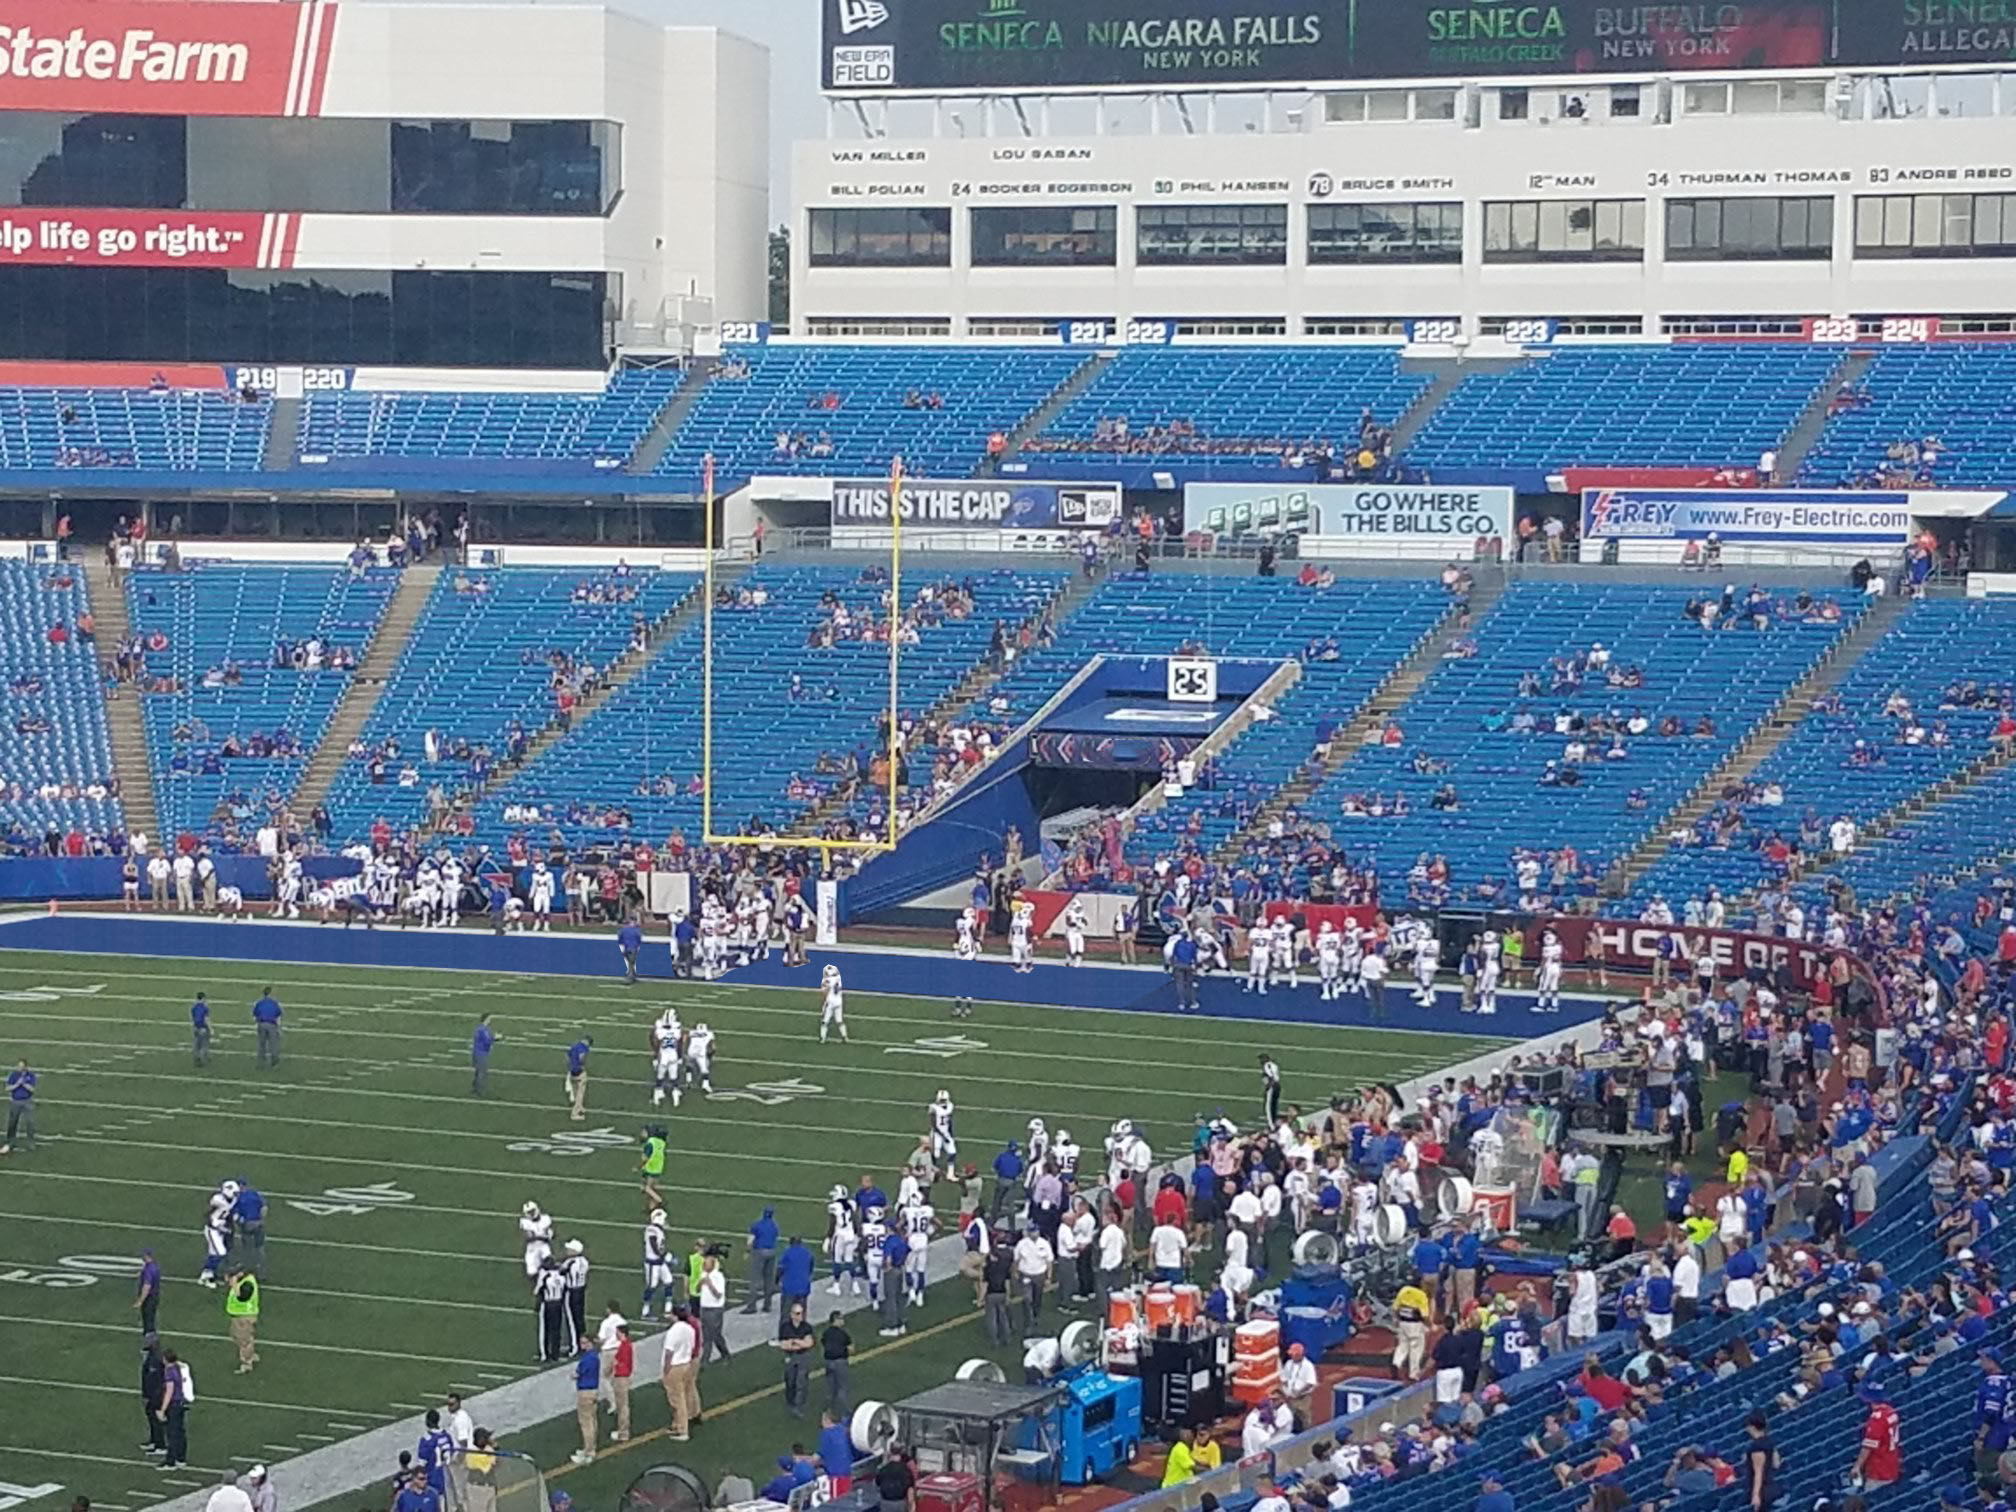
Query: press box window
1935, 225
1747, 228
1529, 231
1383, 233
1011, 236
1243, 235
916, 237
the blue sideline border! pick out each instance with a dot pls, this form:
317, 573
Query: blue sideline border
903, 973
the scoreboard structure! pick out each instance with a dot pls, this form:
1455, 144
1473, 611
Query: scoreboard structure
1384, 169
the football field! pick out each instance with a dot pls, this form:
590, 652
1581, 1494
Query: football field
393, 1264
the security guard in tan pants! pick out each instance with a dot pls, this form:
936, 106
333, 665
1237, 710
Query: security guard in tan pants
241, 1306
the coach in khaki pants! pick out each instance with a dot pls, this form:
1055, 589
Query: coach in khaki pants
681, 1373
241, 1306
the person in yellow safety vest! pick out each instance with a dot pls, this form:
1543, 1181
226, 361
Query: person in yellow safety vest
1410, 1328
1182, 1464
1739, 1165
241, 1306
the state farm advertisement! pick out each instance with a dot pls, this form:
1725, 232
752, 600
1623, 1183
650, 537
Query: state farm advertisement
148, 238
166, 57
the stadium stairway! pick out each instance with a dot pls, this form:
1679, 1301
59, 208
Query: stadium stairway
1393, 692
1805, 435
1416, 415
123, 720
1977, 776
1766, 736
664, 630
644, 460
970, 689
1032, 423
283, 434
388, 644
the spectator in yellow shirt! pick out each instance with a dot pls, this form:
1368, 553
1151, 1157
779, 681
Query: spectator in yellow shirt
1182, 1464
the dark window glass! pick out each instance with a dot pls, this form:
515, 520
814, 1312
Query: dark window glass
329, 165
1564, 231
918, 236
1749, 227
1045, 235
1239, 235
1934, 225
424, 319
1386, 233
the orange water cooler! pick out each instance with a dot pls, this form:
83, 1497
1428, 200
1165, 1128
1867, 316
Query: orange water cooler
1256, 1360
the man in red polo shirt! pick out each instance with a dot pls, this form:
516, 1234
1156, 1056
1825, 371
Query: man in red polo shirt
623, 1362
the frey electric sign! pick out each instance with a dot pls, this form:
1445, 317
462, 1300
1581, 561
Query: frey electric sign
166, 57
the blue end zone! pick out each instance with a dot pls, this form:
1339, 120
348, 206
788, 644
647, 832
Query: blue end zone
899, 972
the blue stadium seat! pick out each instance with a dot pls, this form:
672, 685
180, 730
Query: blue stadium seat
601, 430
54, 732
984, 389
220, 613
180, 430
1962, 395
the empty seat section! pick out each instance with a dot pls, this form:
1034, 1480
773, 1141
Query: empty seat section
599, 429
179, 430
242, 671
1960, 399
846, 411
55, 753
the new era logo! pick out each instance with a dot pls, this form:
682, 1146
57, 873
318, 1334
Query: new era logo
861, 15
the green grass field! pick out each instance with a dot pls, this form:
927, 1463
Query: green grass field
393, 1258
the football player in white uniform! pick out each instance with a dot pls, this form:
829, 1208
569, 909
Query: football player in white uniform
542, 897
1259, 957
761, 925
1329, 962
424, 897
1021, 942
666, 1067
287, 895
700, 1057
1074, 934
944, 1146
657, 1264
1351, 964
1427, 960
1286, 970
832, 1005
1487, 971
217, 1232
843, 1240
231, 903
451, 893
1039, 1147
536, 1229
1549, 985
1064, 1155
919, 1220
873, 1232
965, 948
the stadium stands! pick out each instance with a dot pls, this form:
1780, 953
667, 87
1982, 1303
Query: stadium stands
1235, 409
482, 666
234, 702
601, 430
181, 430
1960, 398
1909, 714
1645, 406
55, 753
846, 411
631, 771
1461, 727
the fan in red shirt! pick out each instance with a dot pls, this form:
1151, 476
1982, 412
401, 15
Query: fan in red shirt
1170, 1208
1881, 1462
1604, 1389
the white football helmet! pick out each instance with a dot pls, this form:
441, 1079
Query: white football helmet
658, 1217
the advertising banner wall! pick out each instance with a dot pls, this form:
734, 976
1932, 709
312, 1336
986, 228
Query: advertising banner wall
166, 57
1633, 945
1393, 511
980, 504
147, 238
1845, 516
1075, 44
